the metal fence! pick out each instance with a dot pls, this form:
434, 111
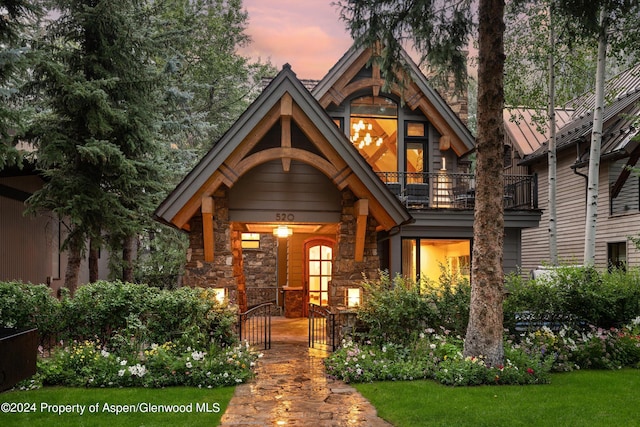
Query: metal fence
254, 326
322, 328
443, 190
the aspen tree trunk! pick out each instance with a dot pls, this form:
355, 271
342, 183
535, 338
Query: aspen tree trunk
485, 328
594, 154
553, 229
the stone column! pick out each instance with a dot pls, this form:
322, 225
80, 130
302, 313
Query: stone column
347, 273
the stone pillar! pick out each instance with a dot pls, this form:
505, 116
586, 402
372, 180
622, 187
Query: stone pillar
347, 273
220, 273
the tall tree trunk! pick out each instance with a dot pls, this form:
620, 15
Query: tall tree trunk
594, 154
553, 228
128, 251
485, 328
74, 258
94, 256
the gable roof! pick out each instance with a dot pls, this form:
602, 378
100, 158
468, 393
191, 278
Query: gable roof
619, 117
338, 84
221, 165
523, 131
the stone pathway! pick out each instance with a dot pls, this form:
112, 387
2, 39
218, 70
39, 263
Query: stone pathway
291, 388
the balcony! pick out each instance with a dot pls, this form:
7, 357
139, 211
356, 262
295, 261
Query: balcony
442, 190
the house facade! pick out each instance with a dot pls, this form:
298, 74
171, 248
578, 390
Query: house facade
618, 213
31, 245
318, 183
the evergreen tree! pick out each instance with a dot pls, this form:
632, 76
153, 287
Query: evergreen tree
16, 19
97, 138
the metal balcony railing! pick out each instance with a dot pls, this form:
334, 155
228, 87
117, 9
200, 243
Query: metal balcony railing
443, 190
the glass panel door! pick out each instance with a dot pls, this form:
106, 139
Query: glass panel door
319, 264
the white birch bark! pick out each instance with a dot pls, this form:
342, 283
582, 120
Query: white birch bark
594, 154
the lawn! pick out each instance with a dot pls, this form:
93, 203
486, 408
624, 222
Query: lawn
581, 398
200, 407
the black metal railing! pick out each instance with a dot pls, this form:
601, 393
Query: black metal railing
438, 190
322, 328
254, 326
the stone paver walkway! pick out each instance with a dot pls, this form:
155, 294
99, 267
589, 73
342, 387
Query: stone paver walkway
291, 388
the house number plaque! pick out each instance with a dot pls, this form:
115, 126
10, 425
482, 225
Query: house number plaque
285, 216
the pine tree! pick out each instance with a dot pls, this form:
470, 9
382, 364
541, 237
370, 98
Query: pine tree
16, 17
97, 138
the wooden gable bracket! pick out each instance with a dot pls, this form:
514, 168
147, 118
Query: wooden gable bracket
207, 228
361, 213
624, 174
286, 111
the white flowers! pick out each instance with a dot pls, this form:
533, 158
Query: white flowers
121, 372
123, 362
188, 365
137, 370
105, 353
198, 355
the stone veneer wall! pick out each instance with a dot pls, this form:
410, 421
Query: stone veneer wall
347, 273
260, 270
223, 272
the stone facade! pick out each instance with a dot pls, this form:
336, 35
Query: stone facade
347, 273
223, 272
249, 276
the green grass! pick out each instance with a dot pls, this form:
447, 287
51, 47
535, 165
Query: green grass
198, 399
582, 398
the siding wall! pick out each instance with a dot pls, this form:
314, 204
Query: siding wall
571, 194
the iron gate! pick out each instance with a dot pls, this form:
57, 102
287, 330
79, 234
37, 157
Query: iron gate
254, 325
322, 328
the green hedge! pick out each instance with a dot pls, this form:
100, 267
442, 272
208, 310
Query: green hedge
119, 313
603, 299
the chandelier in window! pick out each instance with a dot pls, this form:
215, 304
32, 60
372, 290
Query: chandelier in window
358, 139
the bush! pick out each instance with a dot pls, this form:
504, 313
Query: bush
29, 306
121, 315
91, 364
394, 311
605, 300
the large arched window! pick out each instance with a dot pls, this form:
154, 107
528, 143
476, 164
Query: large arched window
373, 131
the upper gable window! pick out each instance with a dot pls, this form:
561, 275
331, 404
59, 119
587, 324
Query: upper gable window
373, 131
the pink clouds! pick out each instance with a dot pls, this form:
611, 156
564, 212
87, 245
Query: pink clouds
308, 34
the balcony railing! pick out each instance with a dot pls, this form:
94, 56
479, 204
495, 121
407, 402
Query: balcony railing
442, 190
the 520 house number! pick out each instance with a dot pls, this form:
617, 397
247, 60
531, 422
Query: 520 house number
285, 216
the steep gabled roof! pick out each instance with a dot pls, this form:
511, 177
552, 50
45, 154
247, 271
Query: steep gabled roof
620, 114
418, 93
523, 130
227, 159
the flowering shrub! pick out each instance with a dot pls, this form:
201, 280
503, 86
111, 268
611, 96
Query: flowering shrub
595, 348
432, 356
91, 364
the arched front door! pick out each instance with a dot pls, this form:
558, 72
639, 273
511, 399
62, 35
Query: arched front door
318, 265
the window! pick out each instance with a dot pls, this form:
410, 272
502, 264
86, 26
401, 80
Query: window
373, 131
250, 241
617, 256
508, 161
425, 259
625, 189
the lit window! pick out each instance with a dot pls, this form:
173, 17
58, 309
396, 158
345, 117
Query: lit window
250, 240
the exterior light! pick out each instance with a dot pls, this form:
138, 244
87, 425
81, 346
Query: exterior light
220, 294
353, 297
282, 231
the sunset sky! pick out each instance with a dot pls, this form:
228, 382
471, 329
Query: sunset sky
307, 34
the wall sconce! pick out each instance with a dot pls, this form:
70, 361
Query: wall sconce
353, 297
220, 294
282, 231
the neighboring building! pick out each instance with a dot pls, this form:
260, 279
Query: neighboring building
355, 179
619, 191
30, 246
